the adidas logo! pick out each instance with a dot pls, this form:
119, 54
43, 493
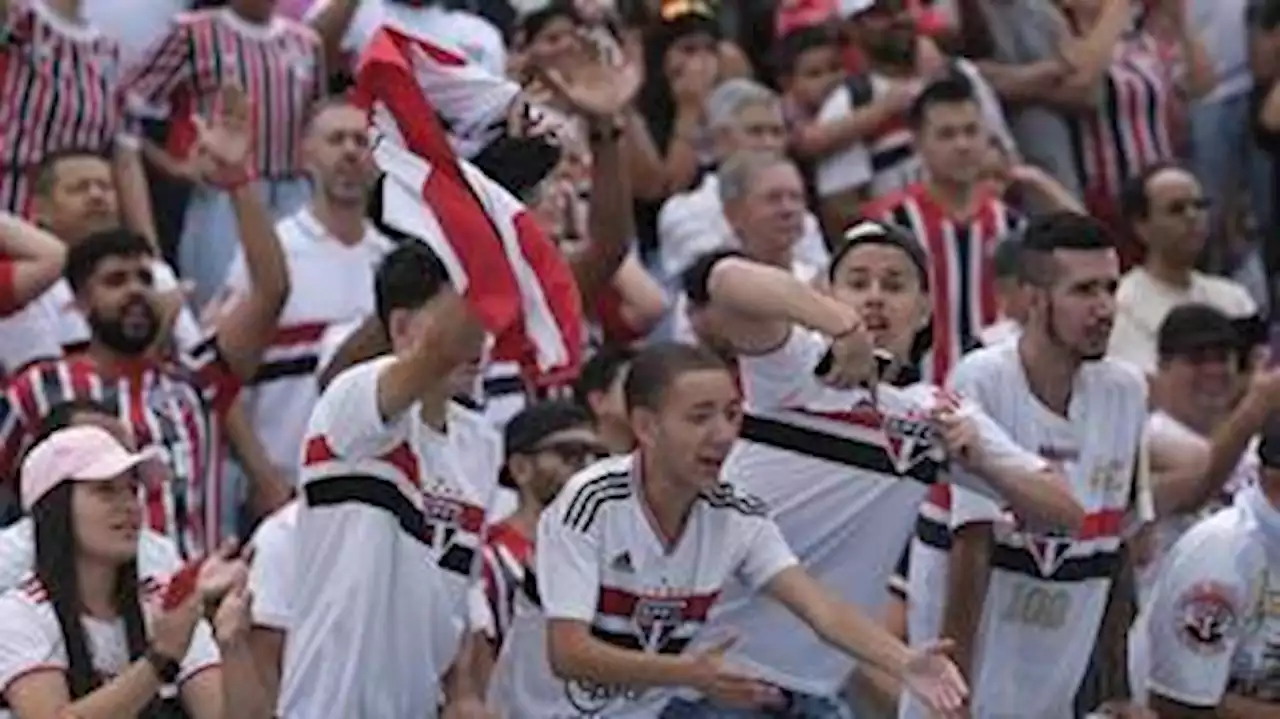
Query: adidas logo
622, 563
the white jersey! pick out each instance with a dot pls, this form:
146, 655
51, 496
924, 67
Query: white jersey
271, 574
157, 554
390, 526
1047, 593
1212, 624
331, 283
598, 561
844, 473
31, 638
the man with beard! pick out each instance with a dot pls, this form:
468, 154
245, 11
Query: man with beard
1018, 592
886, 160
332, 252
546, 444
176, 405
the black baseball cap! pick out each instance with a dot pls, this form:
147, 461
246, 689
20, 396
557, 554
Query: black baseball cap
1195, 327
535, 423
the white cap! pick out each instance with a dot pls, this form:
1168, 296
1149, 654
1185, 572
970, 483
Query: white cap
849, 8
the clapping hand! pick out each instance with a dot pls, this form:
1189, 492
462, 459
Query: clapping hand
932, 677
222, 571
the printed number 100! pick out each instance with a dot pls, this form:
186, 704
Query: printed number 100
1041, 607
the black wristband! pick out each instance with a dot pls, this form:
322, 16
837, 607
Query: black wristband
166, 669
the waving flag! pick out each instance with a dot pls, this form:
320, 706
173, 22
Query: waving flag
511, 274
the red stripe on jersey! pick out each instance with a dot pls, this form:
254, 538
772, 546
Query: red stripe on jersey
402, 458
316, 450
8, 286
961, 276
58, 85
279, 65
868, 417
940, 496
467, 517
305, 333
618, 602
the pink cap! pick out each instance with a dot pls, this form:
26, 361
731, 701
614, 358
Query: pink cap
80, 454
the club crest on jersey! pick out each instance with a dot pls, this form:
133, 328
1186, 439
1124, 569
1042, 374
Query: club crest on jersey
1048, 552
591, 698
1206, 617
910, 438
656, 618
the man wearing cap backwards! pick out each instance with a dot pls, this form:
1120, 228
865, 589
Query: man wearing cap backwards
1205, 645
545, 445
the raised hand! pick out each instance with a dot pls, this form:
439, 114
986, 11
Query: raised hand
233, 620
934, 679
959, 434
222, 571
172, 629
227, 139
852, 358
694, 79
712, 677
597, 83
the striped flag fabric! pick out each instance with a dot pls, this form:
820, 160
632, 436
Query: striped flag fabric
512, 275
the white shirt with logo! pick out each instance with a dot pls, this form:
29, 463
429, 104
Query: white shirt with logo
389, 529
599, 561
1048, 591
1212, 625
844, 472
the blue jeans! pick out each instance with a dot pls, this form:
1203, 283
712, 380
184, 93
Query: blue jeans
802, 706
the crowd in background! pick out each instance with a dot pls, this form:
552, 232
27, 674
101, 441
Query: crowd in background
211, 300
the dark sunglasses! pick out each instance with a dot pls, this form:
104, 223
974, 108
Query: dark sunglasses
573, 453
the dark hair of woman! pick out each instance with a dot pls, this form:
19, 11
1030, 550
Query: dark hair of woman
56, 569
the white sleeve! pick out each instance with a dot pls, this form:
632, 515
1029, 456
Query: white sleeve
767, 554
785, 375
848, 168
17, 553
26, 642
1193, 623
347, 414
186, 331
969, 507
271, 574
201, 654
568, 567
479, 616
999, 451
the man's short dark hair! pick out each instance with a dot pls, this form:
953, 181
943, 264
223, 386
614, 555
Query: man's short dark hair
658, 366
788, 49
84, 257
1192, 327
1135, 200
45, 176
407, 279
600, 372
951, 89
61, 416
1048, 233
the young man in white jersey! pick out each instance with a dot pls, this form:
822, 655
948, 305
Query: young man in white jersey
1205, 644
829, 455
396, 479
1029, 601
634, 552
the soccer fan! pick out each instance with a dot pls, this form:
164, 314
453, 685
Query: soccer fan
30, 262
1016, 589
396, 480
955, 217
598, 389
74, 640
632, 555
831, 460
545, 445
332, 252
1204, 645
271, 586
1166, 209
280, 64
885, 160
177, 405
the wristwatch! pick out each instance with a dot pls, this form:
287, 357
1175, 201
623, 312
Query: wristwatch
165, 668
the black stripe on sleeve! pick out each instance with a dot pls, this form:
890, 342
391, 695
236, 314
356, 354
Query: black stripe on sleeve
833, 448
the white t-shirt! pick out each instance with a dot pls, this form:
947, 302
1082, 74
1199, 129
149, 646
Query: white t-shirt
471, 35
1047, 592
1142, 303
831, 464
271, 574
1213, 622
28, 335
598, 561
389, 530
157, 554
330, 283
31, 638
888, 161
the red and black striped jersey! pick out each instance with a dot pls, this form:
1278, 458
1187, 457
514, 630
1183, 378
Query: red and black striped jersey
279, 65
177, 406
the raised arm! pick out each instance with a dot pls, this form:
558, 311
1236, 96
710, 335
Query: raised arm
36, 258
331, 19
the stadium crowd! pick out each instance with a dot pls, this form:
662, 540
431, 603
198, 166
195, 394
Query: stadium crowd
538, 359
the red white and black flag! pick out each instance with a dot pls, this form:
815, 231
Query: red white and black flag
499, 259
